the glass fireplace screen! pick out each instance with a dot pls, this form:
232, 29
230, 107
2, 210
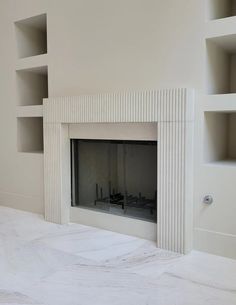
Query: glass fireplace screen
118, 177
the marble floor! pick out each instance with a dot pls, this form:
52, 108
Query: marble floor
44, 263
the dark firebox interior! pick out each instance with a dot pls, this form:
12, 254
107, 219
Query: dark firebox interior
118, 177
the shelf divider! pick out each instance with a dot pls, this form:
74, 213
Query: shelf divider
30, 111
32, 62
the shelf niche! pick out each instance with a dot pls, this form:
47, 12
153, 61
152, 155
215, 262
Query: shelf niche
217, 9
31, 36
30, 134
219, 141
221, 65
32, 86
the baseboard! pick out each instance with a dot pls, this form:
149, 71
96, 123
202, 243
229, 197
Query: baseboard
215, 242
123, 225
21, 202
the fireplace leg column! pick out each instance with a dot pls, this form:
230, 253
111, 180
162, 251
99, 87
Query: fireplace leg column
174, 214
57, 173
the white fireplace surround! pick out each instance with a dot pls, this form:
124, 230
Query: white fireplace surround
171, 109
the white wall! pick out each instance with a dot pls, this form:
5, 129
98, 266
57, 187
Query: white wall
105, 46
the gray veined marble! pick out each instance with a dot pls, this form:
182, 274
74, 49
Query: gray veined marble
45, 263
12, 297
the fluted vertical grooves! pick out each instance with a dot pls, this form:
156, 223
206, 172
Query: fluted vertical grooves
172, 109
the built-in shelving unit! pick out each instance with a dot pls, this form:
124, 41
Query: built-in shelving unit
32, 85
31, 81
219, 142
30, 134
220, 99
217, 9
221, 48
221, 65
31, 36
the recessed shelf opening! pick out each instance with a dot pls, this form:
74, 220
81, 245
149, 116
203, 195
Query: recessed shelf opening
32, 86
221, 65
217, 9
30, 134
31, 36
219, 142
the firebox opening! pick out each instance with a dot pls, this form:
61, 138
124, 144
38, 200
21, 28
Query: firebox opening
117, 177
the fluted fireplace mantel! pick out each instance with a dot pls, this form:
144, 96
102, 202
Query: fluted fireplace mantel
171, 109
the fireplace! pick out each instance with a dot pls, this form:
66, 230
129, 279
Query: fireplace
115, 176
172, 111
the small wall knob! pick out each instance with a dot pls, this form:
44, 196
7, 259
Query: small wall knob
208, 199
